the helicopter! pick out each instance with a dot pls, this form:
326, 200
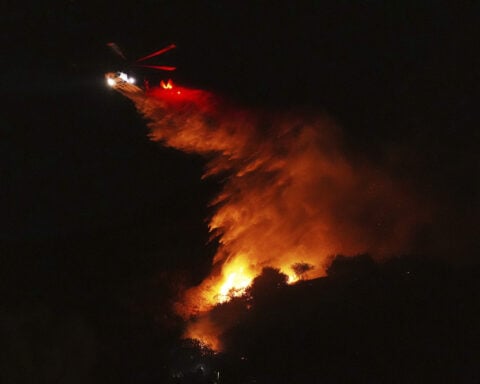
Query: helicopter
121, 81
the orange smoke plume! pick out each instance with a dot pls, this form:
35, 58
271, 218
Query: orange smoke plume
291, 196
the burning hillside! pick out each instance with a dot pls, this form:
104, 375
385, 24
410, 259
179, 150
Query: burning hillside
291, 197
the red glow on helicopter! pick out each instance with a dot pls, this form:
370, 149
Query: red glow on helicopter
167, 85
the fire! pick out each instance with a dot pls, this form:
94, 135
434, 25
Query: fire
203, 330
236, 278
235, 285
291, 196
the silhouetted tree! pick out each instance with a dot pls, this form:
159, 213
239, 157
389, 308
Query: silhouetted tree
301, 269
265, 285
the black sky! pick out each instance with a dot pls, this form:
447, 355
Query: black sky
93, 213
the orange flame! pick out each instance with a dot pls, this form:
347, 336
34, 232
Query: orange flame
203, 330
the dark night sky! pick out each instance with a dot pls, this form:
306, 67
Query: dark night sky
93, 213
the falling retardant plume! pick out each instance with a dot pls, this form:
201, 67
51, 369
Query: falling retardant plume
291, 196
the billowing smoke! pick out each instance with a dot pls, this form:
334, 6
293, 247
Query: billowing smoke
291, 195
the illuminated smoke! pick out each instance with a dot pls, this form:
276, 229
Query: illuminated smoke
290, 195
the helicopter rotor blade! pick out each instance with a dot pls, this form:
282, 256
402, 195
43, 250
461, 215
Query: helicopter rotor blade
159, 67
116, 49
163, 50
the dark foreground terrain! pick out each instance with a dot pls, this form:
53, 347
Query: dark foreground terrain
405, 320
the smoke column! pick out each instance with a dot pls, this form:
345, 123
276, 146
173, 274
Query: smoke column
291, 194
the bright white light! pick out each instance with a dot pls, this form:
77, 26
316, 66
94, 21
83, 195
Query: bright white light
110, 82
131, 80
123, 76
